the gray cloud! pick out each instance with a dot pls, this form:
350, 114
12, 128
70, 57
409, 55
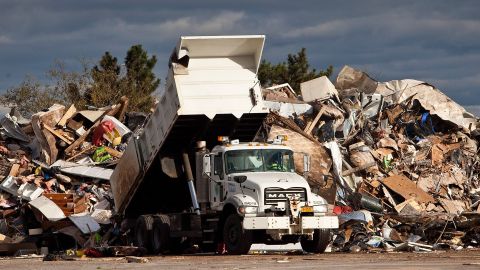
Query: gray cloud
435, 41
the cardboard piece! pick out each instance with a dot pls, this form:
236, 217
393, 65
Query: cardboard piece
407, 188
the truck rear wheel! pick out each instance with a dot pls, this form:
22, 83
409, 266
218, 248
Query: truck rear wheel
237, 240
319, 243
143, 232
161, 234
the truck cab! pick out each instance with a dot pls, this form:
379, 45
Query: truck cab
262, 199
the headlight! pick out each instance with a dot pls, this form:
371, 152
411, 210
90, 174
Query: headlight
323, 208
247, 209
250, 210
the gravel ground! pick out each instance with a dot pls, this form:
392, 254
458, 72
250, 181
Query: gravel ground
464, 260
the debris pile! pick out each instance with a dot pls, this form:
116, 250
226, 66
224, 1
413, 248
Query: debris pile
54, 177
399, 159
398, 162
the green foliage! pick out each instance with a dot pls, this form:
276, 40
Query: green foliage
140, 81
69, 86
295, 71
106, 82
99, 86
30, 97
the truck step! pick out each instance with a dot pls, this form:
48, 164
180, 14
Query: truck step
208, 230
212, 219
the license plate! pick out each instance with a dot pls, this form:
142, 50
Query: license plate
307, 209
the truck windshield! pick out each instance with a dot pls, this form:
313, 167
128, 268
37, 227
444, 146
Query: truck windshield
259, 160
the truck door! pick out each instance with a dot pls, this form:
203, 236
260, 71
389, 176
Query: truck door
217, 186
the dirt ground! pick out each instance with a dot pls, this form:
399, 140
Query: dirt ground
464, 260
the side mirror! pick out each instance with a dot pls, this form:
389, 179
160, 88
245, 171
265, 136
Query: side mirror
240, 178
306, 163
207, 168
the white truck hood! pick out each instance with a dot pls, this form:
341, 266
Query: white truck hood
263, 180
259, 181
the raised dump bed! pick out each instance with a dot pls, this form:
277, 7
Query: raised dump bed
211, 90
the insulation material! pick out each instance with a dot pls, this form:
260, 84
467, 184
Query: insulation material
288, 109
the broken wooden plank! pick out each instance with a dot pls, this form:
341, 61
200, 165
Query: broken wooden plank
81, 152
359, 168
123, 108
311, 125
134, 259
45, 138
69, 135
82, 138
113, 152
274, 117
14, 170
57, 134
68, 114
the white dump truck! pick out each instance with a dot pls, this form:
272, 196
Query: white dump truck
183, 180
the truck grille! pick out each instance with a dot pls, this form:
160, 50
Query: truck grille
275, 195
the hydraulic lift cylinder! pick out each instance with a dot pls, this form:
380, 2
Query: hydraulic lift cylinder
191, 186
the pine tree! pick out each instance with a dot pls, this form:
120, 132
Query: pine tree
105, 89
295, 71
140, 81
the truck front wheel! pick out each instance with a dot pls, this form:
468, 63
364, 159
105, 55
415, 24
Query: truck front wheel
319, 243
237, 240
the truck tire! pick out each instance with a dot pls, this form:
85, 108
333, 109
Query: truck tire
237, 240
320, 241
143, 232
161, 234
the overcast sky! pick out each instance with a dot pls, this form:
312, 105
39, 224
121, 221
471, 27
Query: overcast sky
435, 41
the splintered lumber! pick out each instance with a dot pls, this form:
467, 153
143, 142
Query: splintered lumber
81, 152
82, 138
123, 108
45, 138
310, 126
57, 134
14, 170
274, 117
359, 168
113, 152
70, 112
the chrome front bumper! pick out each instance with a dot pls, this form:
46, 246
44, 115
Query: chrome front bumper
283, 223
